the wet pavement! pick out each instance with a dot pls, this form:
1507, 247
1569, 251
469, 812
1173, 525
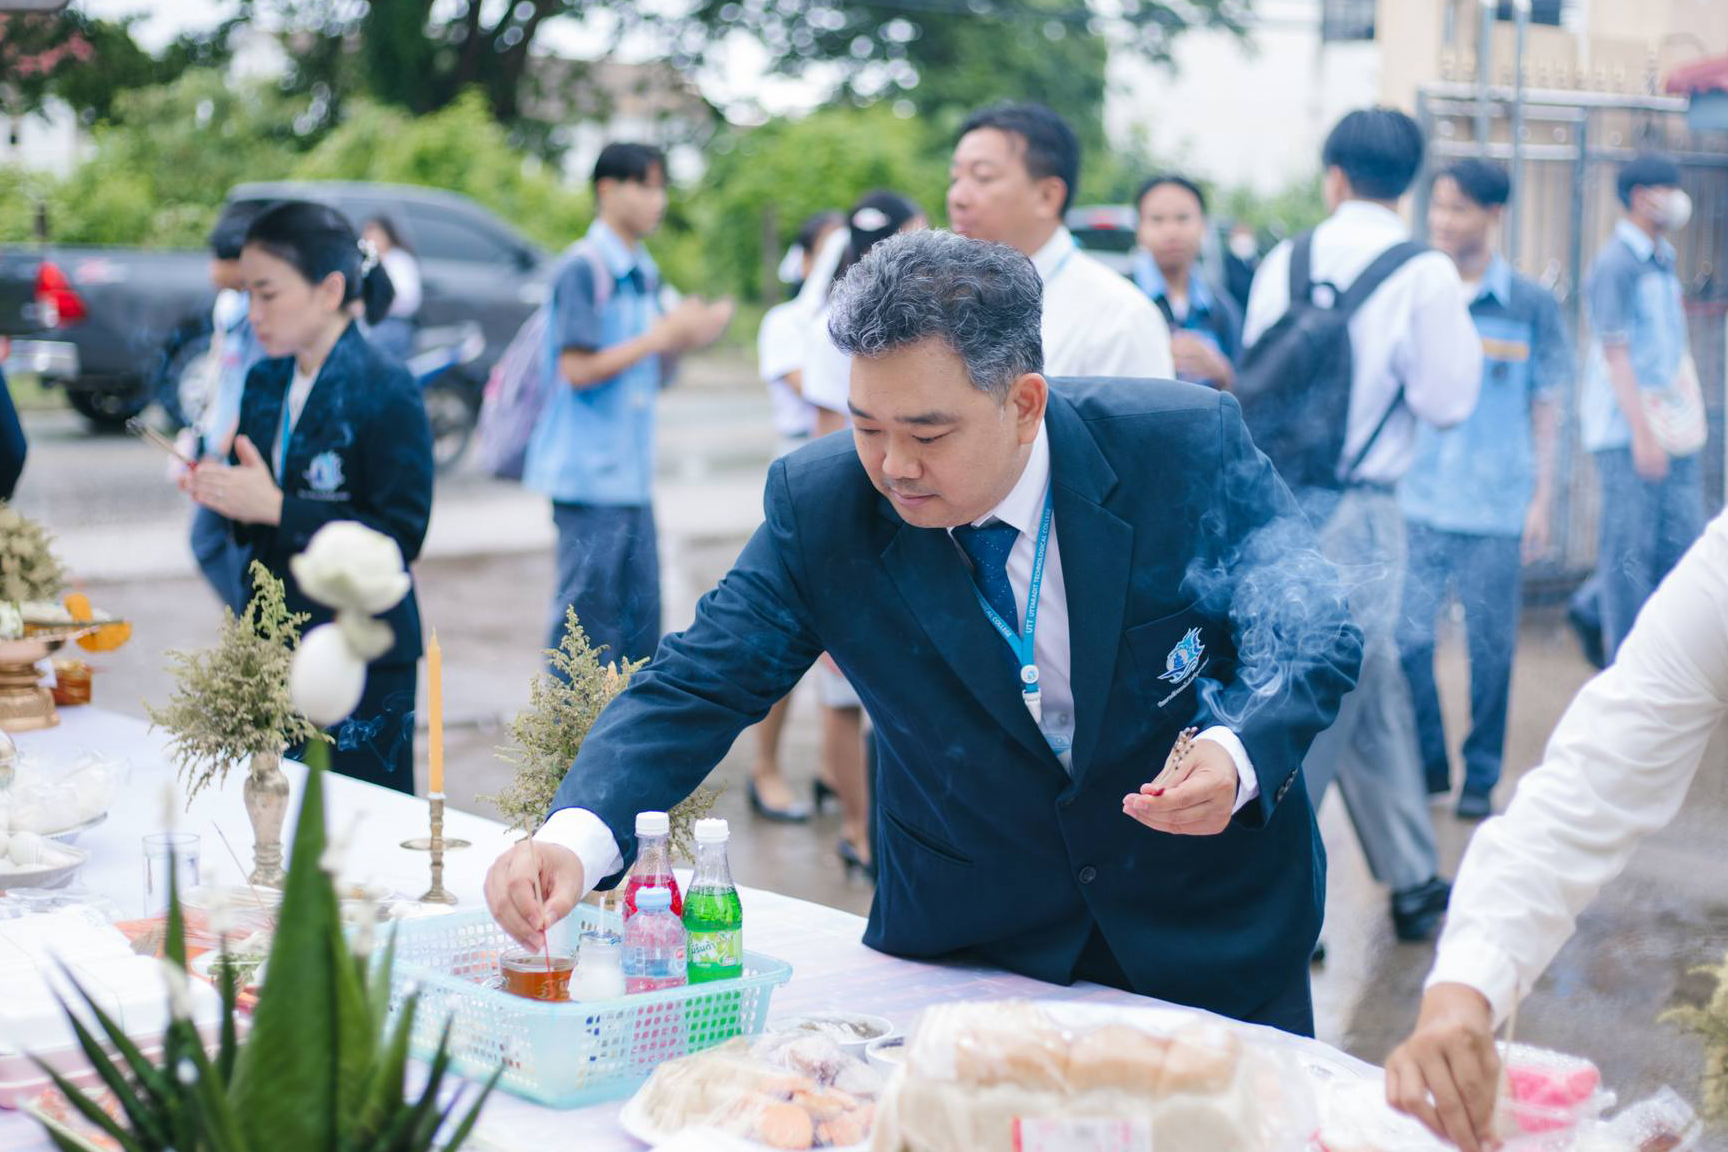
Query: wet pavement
488, 572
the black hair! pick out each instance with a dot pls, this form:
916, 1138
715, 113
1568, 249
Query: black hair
393, 230
624, 161
1171, 178
814, 225
1646, 170
887, 212
1485, 183
1052, 148
318, 240
1378, 149
228, 234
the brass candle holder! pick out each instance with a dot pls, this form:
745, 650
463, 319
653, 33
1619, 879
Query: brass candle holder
437, 845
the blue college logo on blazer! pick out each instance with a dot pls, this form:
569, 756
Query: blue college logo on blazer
1183, 663
324, 474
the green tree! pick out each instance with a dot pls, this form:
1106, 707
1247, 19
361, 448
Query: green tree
169, 155
91, 63
788, 169
948, 56
419, 55
461, 148
1293, 208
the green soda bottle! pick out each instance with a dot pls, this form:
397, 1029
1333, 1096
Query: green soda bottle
713, 915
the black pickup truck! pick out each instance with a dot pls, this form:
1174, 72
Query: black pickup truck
119, 327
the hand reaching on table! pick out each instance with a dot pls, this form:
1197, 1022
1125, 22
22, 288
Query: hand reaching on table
1448, 1072
515, 898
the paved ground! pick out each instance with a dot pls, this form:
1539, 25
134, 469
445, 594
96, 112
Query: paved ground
484, 583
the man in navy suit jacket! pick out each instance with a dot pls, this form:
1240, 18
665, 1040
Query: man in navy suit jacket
1177, 587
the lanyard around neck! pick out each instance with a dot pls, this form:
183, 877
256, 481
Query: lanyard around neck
1021, 644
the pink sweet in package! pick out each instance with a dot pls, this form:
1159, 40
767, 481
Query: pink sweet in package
1549, 1091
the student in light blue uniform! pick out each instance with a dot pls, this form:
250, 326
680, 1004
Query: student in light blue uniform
234, 349
592, 451
1205, 324
1652, 495
1477, 499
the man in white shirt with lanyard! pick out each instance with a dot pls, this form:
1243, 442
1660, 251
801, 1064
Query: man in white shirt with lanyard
1014, 174
1415, 357
1617, 769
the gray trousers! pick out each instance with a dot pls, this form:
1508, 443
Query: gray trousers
1371, 749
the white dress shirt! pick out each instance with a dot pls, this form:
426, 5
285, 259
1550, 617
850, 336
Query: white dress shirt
404, 272
1096, 323
1414, 332
827, 370
779, 353
586, 834
1617, 769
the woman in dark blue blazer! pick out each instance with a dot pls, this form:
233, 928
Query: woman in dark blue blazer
330, 429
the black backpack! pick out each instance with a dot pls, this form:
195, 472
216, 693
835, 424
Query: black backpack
1294, 383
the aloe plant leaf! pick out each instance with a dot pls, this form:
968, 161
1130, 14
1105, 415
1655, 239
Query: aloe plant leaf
88, 1109
286, 1079
144, 1073
385, 1093
466, 1128
138, 1112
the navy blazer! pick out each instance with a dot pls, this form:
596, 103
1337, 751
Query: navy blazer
361, 450
1170, 521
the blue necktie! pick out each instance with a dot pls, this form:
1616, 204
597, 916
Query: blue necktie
988, 547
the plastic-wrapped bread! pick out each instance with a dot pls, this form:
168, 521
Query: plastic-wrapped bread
1013, 1077
791, 1091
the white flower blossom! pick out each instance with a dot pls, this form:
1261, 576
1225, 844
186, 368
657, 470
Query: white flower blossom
327, 676
350, 567
358, 572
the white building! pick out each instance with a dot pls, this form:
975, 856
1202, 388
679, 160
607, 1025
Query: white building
1251, 112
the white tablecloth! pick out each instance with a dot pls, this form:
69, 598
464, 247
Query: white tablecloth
831, 968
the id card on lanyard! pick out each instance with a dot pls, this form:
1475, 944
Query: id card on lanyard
1021, 643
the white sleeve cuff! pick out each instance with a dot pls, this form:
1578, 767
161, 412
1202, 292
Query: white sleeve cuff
586, 835
1480, 965
1247, 781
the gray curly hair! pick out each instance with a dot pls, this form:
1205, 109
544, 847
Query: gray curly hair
983, 300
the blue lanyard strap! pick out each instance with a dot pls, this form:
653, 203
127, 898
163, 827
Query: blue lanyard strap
1022, 645
283, 435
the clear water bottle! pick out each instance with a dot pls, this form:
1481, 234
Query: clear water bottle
654, 948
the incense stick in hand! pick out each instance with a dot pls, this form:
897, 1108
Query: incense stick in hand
1178, 756
539, 894
144, 432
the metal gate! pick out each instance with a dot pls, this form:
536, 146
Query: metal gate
1569, 147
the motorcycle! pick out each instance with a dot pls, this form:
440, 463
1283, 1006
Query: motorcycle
442, 364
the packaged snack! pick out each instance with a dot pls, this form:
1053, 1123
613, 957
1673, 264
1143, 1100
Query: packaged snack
1027, 1077
786, 1091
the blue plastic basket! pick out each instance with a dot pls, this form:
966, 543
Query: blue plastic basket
563, 1055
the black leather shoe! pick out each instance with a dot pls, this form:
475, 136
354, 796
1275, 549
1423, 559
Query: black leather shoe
853, 862
822, 794
1474, 806
1589, 633
795, 814
1416, 912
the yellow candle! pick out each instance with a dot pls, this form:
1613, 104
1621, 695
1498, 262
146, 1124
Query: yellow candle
435, 713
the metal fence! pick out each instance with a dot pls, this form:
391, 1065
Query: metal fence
1564, 149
